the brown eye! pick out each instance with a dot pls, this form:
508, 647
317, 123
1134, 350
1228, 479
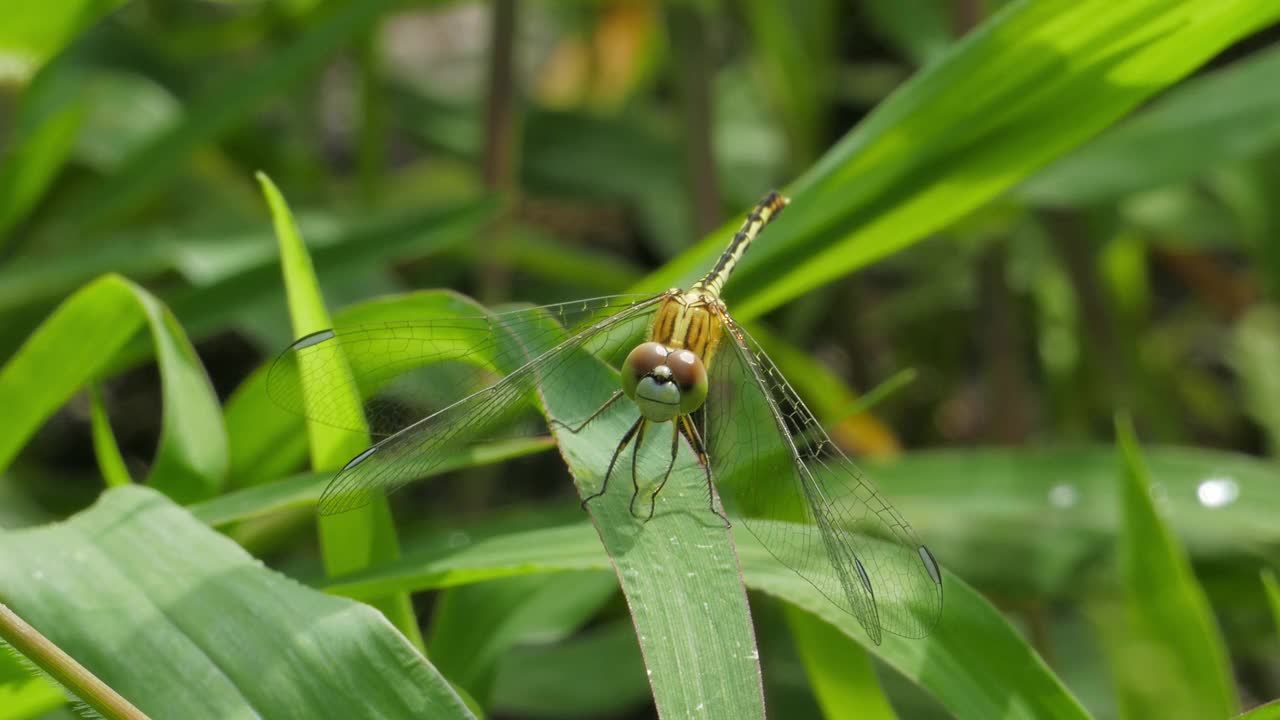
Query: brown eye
691, 376
686, 368
640, 363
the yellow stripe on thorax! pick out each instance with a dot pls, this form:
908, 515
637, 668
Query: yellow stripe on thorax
689, 321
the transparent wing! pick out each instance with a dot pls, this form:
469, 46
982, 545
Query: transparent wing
780, 474
403, 371
414, 451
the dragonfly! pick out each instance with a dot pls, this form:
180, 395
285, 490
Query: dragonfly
684, 364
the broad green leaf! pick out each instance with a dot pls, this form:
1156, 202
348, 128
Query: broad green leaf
187, 607
32, 32
598, 673
974, 662
1206, 122
367, 535
1169, 661
843, 678
1255, 355
1035, 80
1051, 511
82, 339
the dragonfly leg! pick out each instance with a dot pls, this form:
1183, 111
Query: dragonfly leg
690, 432
635, 456
622, 445
575, 429
671, 464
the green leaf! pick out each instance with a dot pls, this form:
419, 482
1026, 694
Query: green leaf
975, 663
267, 441
843, 678
1270, 711
1206, 122
474, 626
1052, 511
604, 670
1272, 588
1035, 80
1255, 356
110, 462
82, 339
33, 33
1171, 662
45, 126
187, 606
304, 490
678, 572
361, 537
920, 28
31, 697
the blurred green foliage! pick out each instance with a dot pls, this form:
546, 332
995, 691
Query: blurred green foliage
1057, 211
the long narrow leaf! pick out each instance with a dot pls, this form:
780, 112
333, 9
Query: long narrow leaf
365, 536
1170, 661
1037, 79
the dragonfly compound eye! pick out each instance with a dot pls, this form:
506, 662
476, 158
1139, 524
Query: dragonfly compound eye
691, 376
648, 381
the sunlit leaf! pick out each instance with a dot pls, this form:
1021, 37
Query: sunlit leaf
187, 604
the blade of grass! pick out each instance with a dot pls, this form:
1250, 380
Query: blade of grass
304, 490
843, 678
1035, 80
1170, 661
33, 33
365, 536
80, 341
1272, 588
110, 462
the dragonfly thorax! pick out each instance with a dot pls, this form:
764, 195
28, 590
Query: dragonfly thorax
664, 382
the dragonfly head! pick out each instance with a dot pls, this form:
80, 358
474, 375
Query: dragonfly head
663, 382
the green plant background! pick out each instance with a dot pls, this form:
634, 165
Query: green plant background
1028, 277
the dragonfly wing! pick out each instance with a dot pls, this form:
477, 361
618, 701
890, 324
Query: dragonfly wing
780, 474
403, 371
414, 451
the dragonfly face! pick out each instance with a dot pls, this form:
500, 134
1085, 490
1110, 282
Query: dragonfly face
664, 382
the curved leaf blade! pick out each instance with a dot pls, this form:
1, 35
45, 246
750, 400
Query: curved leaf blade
80, 341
